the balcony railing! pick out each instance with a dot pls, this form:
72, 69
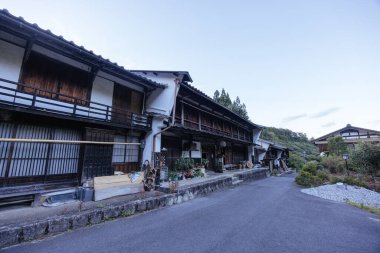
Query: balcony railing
212, 130
13, 94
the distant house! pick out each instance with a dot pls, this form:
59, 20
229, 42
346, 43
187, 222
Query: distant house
351, 135
269, 153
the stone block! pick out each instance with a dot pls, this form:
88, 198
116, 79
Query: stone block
170, 201
9, 236
112, 212
141, 205
35, 230
128, 209
163, 201
150, 205
80, 220
95, 217
59, 225
178, 200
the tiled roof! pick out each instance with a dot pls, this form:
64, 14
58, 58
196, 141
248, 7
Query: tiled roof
4, 14
337, 132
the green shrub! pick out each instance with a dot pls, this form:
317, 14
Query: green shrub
307, 179
296, 161
310, 167
322, 175
311, 176
334, 180
366, 159
335, 164
354, 181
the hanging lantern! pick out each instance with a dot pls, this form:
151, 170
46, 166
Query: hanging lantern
222, 144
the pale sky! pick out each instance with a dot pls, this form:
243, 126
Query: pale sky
311, 66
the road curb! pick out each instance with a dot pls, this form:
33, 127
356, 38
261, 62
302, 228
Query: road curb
15, 234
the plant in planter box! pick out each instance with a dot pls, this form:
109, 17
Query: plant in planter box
205, 162
189, 174
183, 166
197, 173
173, 175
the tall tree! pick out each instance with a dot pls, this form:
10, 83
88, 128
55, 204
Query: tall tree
225, 99
216, 96
239, 108
236, 106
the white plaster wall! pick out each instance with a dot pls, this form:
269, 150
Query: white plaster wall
102, 91
120, 81
10, 66
250, 153
261, 157
279, 153
10, 62
161, 100
256, 135
263, 144
157, 125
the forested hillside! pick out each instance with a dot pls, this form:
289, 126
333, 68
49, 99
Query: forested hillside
298, 142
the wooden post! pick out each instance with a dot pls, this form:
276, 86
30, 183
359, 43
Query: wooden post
52, 130
200, 120
182, 114
10, 154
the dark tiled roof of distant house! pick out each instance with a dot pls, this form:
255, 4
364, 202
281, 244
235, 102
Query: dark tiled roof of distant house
348, 127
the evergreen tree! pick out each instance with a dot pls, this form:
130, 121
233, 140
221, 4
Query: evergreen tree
239, 108
216, 96
223, 98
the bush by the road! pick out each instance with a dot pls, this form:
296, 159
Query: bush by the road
335, 164
310, 175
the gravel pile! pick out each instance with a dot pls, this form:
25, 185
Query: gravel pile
341, 192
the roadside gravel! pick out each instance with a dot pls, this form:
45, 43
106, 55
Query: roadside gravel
342, 193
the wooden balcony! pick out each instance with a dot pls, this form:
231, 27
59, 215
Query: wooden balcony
21, 97
212, 130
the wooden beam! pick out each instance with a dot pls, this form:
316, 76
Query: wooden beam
28, 49
67, 141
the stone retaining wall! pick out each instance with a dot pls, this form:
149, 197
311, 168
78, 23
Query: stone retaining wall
253, 175
10, 235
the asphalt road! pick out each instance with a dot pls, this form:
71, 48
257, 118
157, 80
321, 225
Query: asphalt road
269, 215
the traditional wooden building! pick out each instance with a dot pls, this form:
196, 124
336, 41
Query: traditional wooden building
351, 135
59, 104
270, 154
193, 125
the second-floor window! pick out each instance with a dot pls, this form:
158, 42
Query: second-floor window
61, 81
